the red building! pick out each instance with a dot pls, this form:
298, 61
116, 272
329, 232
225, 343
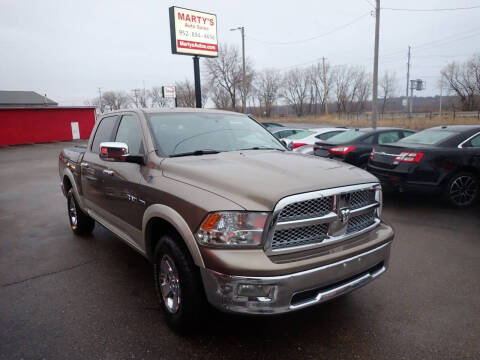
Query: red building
25, 119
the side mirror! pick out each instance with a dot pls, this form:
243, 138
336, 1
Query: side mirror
288, 145
118, 152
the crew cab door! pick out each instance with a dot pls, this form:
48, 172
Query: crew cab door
123, 200
93, 167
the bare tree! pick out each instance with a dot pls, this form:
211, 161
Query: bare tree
221, 98
463, 79
318, 87
296, 86
185, 93
267, 86
388, 84
156, 97
115, 100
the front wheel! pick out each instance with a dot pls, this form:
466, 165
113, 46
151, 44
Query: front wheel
81, 223
178, 284
462, 189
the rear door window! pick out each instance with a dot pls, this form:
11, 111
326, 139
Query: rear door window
369, 139
129, 132
328, 135
104, 132
475, 142
388, 137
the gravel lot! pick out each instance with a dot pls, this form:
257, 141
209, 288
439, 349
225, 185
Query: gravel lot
64, 297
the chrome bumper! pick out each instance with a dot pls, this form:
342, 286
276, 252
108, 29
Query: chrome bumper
295, 291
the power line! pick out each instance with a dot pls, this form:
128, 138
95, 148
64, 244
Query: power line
432, 10
314, 37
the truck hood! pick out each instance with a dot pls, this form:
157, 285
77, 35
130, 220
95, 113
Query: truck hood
257, 180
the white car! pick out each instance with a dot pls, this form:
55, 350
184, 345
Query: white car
310, 136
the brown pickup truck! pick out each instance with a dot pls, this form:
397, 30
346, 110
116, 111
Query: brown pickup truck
226, 214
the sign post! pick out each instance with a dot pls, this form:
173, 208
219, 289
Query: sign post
170, 92
193, 33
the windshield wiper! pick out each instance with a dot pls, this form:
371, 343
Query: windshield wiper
196, 153
262, 148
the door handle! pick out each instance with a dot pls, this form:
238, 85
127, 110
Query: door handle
108, 172
85, 165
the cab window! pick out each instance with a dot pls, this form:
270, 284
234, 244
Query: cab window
103, 133
129, 133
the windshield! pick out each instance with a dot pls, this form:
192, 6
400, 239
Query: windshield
300, 135
182, 133
346, 136
427, 137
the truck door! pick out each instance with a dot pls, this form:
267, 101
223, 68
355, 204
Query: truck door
121, 186
93, 167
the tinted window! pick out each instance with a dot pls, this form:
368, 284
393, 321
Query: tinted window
129, 132
475, 142
103, 133
428, 137
327, 135
177, 133
388, 137
301, 135
369, 139
284, 133
408, 133
346, 136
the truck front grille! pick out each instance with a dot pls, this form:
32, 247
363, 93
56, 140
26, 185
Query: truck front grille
323, 217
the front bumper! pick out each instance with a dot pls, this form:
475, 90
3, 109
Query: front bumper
298, 290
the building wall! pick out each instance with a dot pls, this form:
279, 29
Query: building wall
36, 125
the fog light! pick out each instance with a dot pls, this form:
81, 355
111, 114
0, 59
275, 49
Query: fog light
256, 291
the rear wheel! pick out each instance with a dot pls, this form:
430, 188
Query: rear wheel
178, 284
462, 189
81, 223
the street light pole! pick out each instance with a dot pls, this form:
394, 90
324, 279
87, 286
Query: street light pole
375, 65
244, 77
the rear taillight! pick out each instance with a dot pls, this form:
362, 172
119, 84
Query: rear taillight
296, 145
409, 157
372, 153
341, 150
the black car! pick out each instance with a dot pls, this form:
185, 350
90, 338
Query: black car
354, 146
443, 159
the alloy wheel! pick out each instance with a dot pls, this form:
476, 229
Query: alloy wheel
72, 211
169, 284
463, 190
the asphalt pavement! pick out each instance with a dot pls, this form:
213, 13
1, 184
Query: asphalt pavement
67, 297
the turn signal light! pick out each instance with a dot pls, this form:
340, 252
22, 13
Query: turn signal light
341, 150
410, 157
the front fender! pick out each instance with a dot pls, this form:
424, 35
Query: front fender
176, 220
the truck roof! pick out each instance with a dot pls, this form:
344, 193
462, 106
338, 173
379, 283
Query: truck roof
172, 110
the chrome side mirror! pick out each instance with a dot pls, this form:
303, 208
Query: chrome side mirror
113, 151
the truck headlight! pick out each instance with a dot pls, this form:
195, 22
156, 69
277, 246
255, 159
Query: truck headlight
232, 229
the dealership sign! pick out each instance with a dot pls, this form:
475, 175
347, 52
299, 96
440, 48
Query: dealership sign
169, 92
193, 32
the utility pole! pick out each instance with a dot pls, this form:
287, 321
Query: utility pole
100, 99
325, 86
244, 76
375, 65
441, 93
408, 84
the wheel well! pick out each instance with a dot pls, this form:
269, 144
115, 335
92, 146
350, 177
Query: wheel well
67, 185
468, 169
155, 229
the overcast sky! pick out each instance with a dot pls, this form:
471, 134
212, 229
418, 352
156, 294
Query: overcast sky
67, 49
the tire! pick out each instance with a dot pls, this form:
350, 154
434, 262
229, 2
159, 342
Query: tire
462, 190
80, 223
178, 284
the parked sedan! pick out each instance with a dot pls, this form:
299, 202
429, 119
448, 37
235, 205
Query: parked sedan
309, 137
355, 146
270, 125
283, 132
444, 159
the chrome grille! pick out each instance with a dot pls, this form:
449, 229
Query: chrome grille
322, 217
360, 222
361, 198
307, 209
299, 236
